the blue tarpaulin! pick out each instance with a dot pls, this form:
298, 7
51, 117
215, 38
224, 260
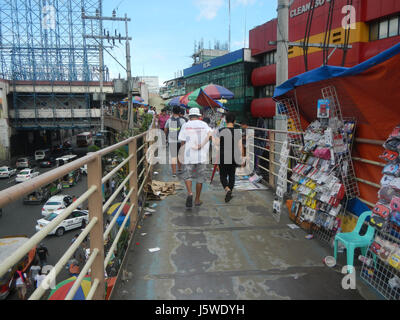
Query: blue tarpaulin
328, 72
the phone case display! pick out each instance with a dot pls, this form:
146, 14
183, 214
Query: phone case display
317, 183
383, 270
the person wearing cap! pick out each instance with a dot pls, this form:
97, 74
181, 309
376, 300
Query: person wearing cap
195, 159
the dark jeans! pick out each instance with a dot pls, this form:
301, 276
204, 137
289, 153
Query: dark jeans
227, 175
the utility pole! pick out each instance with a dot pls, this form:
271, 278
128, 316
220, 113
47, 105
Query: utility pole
280, 121
129, 75
282, 42
107, 37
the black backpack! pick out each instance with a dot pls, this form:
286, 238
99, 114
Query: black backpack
178, 126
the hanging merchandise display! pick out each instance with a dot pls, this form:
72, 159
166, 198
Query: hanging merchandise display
282, 181
384, 273
319, 192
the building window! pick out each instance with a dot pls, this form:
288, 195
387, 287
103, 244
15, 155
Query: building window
393, 27
383, 29
270, 58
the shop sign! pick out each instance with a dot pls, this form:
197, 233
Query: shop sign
307, 7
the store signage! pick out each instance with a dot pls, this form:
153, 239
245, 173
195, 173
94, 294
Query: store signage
307, 7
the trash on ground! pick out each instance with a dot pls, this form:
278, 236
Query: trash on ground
309, 237
244, 185
293, 226
158, 190
255, 178
143, 234
154, 250
150, 210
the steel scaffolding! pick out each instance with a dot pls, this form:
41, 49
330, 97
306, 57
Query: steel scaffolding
43, 40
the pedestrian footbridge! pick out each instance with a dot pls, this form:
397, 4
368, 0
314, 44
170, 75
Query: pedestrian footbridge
225, 251
219, 251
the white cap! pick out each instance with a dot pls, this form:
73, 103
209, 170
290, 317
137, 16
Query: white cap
194, 112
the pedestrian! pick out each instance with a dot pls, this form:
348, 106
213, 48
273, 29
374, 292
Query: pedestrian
182, 114
230, 154
191, 136
162, 119
34, 270
80, 255
21, 283
39, 279
74, 238
42, 253
112, 186
172, 129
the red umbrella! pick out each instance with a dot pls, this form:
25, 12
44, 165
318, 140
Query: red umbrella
185, 99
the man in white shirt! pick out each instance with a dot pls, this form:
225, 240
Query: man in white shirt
192, 134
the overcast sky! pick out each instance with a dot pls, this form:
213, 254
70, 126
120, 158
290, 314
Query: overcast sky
164, 32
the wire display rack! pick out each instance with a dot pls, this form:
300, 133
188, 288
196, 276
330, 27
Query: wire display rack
290, 108
380, 274
346, 162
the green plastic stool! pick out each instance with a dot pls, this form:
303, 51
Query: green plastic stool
353, 240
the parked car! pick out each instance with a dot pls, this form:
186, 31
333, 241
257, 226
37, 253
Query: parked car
56, 203
50, 162
77, 219
37, 197
7, 172
26, 174
71, 179
23, 163
7, 247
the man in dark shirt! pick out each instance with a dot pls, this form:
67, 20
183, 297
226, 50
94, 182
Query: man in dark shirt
230, 146
42, 253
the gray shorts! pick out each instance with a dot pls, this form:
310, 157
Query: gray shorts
195, 172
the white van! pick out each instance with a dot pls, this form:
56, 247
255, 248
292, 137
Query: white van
42, 154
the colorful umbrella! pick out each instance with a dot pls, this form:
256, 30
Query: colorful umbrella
137, 99
217, 92
185, 99
203, 99
194, 104
113, 211
175, 102
62, 289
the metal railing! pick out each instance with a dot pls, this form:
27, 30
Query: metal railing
98, 259
270, 142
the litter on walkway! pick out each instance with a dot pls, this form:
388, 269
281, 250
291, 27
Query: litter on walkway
154, 250
293, 226
246, 185
158, 190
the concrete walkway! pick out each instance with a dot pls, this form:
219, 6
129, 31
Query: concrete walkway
227, 252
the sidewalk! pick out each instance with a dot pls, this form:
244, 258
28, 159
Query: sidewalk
227, 252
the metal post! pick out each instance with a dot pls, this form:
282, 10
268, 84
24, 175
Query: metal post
129, 75
281, 61
101, 58
96, 235
271, 158
282, 43
133, 183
